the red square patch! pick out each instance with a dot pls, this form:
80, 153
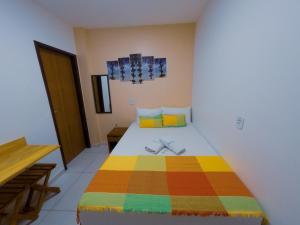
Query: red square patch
189, 183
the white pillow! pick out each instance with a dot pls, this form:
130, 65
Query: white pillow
147, 112
183, 110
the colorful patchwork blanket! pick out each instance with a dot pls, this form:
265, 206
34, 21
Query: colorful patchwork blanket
177, 185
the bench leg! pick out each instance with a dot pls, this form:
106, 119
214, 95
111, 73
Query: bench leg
43, 192
42, 189
15, 214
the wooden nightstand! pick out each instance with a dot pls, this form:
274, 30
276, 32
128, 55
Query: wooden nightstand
114, 136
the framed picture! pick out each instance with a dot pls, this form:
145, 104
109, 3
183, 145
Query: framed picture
136, 68
113, 70
125, 69
160, 67
147, 67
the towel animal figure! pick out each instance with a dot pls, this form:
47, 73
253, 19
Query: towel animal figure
165, 145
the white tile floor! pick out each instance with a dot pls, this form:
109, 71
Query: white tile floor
61, 209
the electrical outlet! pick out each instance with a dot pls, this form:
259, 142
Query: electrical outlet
131, 101
239, 122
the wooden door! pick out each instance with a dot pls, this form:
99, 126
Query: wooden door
59, 79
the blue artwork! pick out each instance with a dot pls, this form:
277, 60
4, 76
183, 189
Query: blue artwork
136, 68
125, 69
147, 67
113, 70
160, 67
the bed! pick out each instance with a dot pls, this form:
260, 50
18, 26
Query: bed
134, 186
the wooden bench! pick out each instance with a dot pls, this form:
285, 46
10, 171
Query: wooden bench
23, 184
33, 180
17, 156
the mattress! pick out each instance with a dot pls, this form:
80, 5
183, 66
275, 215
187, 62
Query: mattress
135, 139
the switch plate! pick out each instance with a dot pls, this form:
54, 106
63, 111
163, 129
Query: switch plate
239, 122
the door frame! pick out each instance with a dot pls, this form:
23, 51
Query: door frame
38, 47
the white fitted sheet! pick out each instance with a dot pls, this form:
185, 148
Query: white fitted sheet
135, 139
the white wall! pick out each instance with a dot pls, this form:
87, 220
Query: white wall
24, 107
248, 63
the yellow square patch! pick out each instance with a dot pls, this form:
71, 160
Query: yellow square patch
150, 163
213, 164
126, 163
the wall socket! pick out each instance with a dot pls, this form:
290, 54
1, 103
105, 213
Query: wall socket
131, 101
239, 122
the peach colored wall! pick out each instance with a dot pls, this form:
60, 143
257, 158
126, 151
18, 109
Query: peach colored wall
96, 46
83, 64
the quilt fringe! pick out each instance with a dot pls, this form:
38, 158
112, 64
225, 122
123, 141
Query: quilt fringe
101, 209
257, 214
196, 213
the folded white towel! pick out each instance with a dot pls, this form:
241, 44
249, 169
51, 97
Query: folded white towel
171, 146
154, 145
161, 145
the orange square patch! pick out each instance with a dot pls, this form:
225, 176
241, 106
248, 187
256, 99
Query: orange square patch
227, 184
110, 181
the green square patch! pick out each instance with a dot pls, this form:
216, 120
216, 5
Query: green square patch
95, 201
150, 163
147, 203
236, 204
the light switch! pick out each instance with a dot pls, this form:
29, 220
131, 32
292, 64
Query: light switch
239, 122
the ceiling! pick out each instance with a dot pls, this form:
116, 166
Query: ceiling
118, 13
